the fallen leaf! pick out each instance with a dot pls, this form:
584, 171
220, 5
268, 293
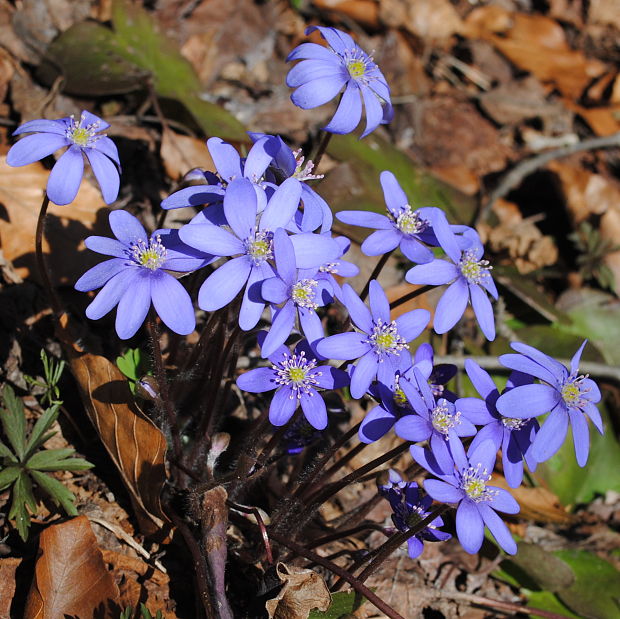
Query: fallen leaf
602, 120
364, 12
8, 567
536, 44
181, 153
70, 575
21, 194
433, 20
604, 12
302, 591
135, 444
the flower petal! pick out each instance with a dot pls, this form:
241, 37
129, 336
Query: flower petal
318, 91
581, 436
226, 159
240, 207
134, 306
379, 305
281, 328
106, 174
258, 380
282, 406
343, 346
381, 242
349, 111
550, 436
442, 491
40, 125
66, 176
469, 526
483, 311
451, 306
376, 424
528, 401
100, 274
126, 228
413, 428
211, 239
504, 502
374, 110
415, 251
432, 273
359, 312
223, 285
105, 145
393, 194
480, 379
282, 205
314, 409
313, 250
312, 69
313, 51
524, 364
364, 219
111, 293
412, 323
498, 529
172, 303
107, 246
34, 147
363, 374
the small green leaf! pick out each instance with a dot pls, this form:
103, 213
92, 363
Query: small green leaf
5, 452
14, 421
38, 436
48, 457
596, 590
22, 497
545, 600
130, 363
343, 603
8, 476
61, 495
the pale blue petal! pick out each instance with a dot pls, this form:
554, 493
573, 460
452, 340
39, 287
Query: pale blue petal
106, 174
226, 159
172, 303
223, 285
34, 147
314, 409
469, 526
363, 374
98, 276
134, 306
451, 306
432, 273
126, 228
349, 111
66, 176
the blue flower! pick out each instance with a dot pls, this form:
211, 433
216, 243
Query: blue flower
402, 227
83, 137
296, 378
410, 508
514, 435
300, 292
463, 479
136, 276
469, 277
324, 71
380, 342
567, 395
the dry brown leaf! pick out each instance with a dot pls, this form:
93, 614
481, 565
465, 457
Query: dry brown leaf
21, 194
135, 444
537, 504
181, 153
70, 575
602, 120
610, 230
433, 20
8, 567
606, 12
536, 44
364, 12
303, 590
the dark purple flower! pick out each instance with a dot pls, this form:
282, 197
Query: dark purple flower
136, 276
298, 291
380, 342
402, 227
296, 378
463, 479
300, 434
325, 71
567, 395
469, 278
410, 508
514, 435
83, 137
438, 375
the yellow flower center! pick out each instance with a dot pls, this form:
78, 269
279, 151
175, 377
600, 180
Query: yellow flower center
356, 68
474, 488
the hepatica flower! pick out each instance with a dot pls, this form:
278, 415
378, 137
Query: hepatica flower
380, 341
82, 137
514, 435
566, 394
296, 377
325, 71
410, 508
136, 276
402, 227
470, 279
463, 479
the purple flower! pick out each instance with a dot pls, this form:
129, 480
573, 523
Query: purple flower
298, 290
299, 435
463, 479
410, 508
340, 267
437, 376
324, 71
83, 138
568, 395
469, 278
136, 275
296, 378
230, 166
380, 342
402, 227
514, 435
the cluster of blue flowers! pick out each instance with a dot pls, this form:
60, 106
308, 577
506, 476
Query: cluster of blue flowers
265, 233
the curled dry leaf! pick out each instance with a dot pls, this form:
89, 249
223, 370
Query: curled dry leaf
302, 591
135, 444
8, 568
181, 153
71, 578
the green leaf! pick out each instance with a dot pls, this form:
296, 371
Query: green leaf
57, 460
8, 476
130, 363
343, 603
61, 495
596, 590
545, 600
14, 421
573, 484
22, 497
38, 436
5, 452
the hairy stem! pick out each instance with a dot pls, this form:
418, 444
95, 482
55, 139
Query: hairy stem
375, 273
42, 262
410, 295
321, 149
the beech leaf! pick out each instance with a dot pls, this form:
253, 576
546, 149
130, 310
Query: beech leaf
71, 578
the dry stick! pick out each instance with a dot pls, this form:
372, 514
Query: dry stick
322, 495
525, 168
162, 381
326, 539
375, 273
339, 571
410, 295
600, 370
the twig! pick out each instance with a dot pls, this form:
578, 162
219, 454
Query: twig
513, 178
410, 295
321, 150
375, 273
601, 370
339, 571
